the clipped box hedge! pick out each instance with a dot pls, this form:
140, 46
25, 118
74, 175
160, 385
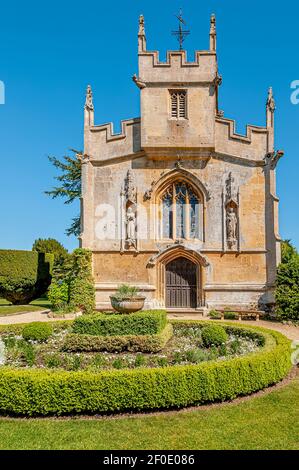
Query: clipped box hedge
45, 392
24, 275
143, 343
149, 322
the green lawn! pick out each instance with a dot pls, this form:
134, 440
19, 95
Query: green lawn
7, 309
265, 422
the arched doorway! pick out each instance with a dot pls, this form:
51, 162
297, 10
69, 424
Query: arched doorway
181, 283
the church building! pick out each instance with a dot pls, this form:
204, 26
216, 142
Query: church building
178, 203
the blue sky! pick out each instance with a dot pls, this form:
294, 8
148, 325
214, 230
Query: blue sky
50, 51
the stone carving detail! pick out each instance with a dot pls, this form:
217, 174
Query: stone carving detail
139, 82
130, 189
130, 227
129, 213
231, 208
273, 158
141, 31
163, 249
88, 100
270, 101
148, 193
231, 227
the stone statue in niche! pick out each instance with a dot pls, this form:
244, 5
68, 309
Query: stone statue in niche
131, 227
231, 206
231, 227
129, 213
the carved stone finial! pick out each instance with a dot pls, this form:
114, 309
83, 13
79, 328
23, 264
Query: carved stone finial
213, 33
213, 24
130, 189
141, 25
140, 83
141, 35
178, 164
270, 101
88, 100
230, 189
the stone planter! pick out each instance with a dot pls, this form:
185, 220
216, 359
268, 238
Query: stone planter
127, 304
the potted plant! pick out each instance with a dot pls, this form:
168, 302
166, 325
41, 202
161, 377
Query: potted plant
127, 299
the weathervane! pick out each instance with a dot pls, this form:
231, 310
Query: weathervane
181, 34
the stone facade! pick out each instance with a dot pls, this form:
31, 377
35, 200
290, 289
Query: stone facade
232, 233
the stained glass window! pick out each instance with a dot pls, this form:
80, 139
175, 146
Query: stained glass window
167, 216
181, 212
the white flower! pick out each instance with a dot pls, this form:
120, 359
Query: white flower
2, 353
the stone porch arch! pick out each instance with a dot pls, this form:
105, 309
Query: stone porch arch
168, 254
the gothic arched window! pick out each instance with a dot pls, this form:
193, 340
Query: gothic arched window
181, 212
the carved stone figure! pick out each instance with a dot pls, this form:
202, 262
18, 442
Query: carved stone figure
231, 226
130, 188
131, 227
88, 101
270, 101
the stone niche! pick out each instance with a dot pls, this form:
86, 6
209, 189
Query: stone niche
231, 219
129, 214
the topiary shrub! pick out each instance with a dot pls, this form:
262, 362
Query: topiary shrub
213, 335
140, 323
24, 275
37, 331
50, 245
135, 343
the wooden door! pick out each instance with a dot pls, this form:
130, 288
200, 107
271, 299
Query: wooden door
181, 291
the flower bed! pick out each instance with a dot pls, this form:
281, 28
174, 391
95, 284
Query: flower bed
34, 391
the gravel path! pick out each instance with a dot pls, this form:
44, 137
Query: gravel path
290, 331
29, 317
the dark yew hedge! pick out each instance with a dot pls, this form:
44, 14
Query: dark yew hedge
45, 392
24, 275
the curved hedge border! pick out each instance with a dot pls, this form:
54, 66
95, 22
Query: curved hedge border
45, 392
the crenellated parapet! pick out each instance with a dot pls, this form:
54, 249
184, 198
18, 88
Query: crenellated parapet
253, 146
176, 68
104, 144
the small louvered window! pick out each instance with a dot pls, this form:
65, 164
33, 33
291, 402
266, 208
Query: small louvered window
178, 104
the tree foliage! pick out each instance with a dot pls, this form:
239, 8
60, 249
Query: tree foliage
50, 245
288, 251
69, 184
287, 283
